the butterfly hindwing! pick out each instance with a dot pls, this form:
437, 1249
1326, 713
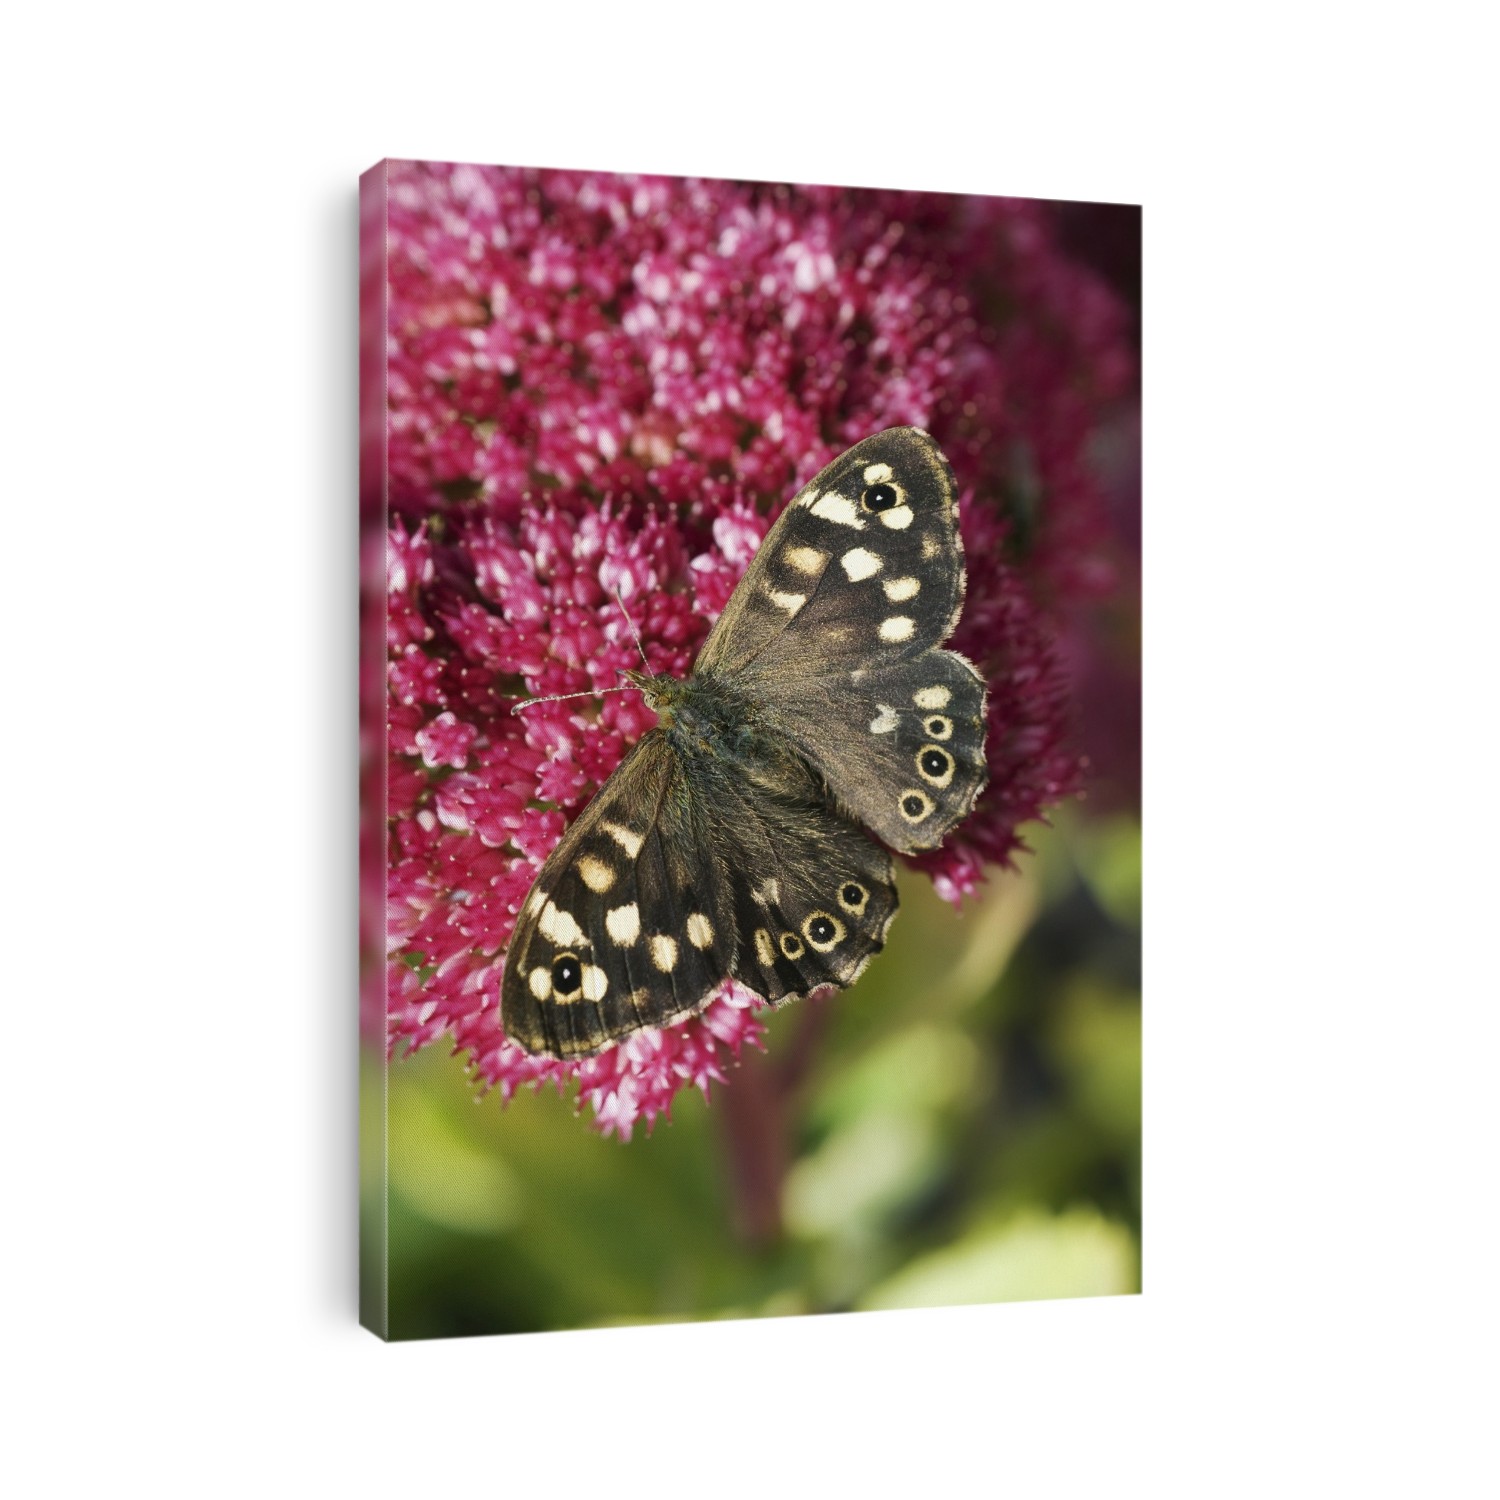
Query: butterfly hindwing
813, 896
900, 747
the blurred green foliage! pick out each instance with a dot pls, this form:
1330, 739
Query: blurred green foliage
962, 1126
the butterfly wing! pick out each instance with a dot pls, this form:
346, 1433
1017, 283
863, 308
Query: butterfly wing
628, 924
683, 872
834, 633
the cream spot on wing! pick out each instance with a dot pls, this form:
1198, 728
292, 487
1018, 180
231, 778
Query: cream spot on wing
885, 721
540, 982
897, 628
596, 875
806, 560
933, 697
768, 891
898, 590
839, 510
791, 603
537, 900
859, 564
878, 474
898, 517
929, 547
765, 950
664, 953
627, 838
559, 927
595, 982
808, 497
700, 931
624, 923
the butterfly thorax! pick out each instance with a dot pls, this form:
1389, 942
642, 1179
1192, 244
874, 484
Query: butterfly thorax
701, 715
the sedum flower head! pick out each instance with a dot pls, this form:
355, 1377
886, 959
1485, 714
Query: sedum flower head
603, 385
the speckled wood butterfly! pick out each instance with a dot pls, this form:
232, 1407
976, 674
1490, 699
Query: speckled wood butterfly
733, 841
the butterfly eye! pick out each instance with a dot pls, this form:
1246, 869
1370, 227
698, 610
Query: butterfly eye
567, 974
880, 497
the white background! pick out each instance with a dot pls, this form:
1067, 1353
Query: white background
178, 360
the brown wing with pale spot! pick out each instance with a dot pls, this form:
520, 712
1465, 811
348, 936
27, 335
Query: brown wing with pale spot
863, 568
901, 749
630, 923
813, 895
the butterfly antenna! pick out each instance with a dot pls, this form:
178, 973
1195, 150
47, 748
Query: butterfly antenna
633, 631
628, 687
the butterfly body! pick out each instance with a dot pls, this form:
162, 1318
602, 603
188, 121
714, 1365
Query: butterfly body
734, 841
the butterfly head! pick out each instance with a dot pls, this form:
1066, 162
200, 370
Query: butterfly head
663, 693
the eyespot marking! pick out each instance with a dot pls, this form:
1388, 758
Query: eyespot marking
933, 697
915, 805
560, 927
595, 874
567, 977
898, 590
806, 560
898, 628
791, 945
664, 953
885, 721
627, 838
934, 766
700, 931
765, 950
938, 727
823, 931
624, 924
859, 564
898, 518
791, 603
853, 897
839, 510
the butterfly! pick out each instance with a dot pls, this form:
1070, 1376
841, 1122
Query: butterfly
749, 835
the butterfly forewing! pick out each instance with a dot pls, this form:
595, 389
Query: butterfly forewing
864, 567
630, 923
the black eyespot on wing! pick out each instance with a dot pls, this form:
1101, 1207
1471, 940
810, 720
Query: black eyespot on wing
878, 497
934, 762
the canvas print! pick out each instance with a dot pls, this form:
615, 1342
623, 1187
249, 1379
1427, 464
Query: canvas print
750, 685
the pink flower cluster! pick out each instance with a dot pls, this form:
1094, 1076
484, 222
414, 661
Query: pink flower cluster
601, 384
